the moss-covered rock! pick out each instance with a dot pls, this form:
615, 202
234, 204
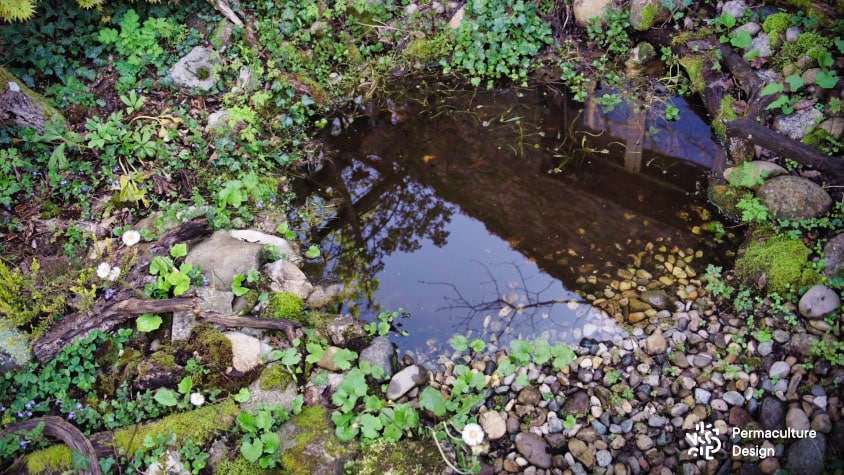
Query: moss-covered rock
310, 445
778, 261
199, 426
693, 64
285, 305
214, 351
275, 377
405, 457
726, 197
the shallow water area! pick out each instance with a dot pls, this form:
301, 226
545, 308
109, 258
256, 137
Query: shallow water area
493, 214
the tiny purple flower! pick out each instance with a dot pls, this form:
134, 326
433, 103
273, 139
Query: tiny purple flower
20, 415
109, 293
71, 415
23, 444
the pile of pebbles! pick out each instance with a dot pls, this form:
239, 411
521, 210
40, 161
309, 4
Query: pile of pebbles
634, 398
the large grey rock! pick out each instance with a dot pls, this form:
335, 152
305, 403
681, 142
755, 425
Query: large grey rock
380, 353
798, 124
194, 70
792, 197
209, 299
285, 276
806, 456
246, 351
585, 10
646, 13
405, 380
818, 302
534, 449
14, 347
287, 250
222, 256
833, 255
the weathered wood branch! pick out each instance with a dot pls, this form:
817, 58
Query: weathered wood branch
287, 326
766, 138
104, 318
60, 429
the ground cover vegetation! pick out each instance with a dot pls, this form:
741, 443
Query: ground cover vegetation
131, 143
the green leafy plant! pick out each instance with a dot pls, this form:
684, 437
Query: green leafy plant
260, 442
139, 45
752, 210
171, 279
384, 323
498, 39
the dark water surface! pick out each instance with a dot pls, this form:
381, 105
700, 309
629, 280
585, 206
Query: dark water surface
477, 212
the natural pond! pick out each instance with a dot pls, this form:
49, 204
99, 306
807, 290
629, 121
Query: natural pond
493, 214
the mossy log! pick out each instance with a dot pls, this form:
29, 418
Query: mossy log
126, 303
198, 426
60, 429
766, 138
21, 106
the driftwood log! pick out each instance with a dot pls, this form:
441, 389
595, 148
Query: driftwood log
126, 303
59, 428
750, 130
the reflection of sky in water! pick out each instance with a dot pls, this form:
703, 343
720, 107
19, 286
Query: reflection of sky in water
456, 287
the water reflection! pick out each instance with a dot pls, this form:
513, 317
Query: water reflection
477, 212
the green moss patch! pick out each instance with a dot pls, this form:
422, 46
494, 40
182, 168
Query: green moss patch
780, 261
198, 426
285, 305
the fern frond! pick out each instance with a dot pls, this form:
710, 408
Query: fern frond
16, 10
89, 4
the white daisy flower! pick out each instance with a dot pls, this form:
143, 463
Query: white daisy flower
131, 237
114, 273
103, 270
197, 399
473, 434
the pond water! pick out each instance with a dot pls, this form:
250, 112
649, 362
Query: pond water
492, 214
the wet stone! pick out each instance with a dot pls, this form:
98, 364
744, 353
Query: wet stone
779, 369
702, 396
